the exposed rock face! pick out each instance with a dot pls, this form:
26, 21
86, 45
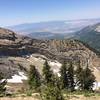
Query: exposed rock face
15, 52
7, 34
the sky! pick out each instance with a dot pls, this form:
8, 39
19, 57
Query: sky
13, 12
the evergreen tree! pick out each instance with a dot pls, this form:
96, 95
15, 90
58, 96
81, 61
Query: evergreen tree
52, 92
64, 76
34, 78
88, 79
70, 73
79, 75
2, 84
47, 73
85, 78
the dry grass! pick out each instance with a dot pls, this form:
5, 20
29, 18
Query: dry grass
81, 97
75, 97
17, 87
19, 98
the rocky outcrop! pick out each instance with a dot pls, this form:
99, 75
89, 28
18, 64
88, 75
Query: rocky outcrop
7, 34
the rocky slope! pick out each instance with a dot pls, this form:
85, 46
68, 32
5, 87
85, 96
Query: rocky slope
90, 35
17, 53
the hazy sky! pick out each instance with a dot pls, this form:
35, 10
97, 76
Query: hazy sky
23, 11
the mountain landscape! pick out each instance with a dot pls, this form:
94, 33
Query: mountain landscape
16, 51
52, 29
86, 30
76, 41
49, 50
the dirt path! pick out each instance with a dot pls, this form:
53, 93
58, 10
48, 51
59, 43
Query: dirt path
78, 97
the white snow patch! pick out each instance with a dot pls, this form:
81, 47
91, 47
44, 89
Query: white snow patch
55, 64
96, 85
17, 78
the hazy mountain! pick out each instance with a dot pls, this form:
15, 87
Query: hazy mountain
51, 29
90, 35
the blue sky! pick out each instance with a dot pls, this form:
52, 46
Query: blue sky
14, 12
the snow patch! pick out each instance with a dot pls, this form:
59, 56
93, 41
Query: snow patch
17, 78
55, 64
96, 85
55, 67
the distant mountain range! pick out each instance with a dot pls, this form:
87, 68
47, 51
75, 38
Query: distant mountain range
86, 30
52, 29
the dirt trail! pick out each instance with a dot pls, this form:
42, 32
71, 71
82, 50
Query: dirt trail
79, 97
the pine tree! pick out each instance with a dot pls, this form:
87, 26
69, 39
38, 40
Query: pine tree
79, 75
70, 73
47, 73
85, 78
34, 78
64, 77
2, 84
52, 92
88, 79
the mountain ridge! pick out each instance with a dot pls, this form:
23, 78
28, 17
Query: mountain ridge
90, 35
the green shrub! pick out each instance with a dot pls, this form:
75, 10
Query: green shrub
29, 93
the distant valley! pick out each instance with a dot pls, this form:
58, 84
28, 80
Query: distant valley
52, 29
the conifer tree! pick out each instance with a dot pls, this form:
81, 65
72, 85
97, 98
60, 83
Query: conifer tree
34, 78
79, 75
85, 78
47, 73
88, 79
52, 91
64, 76
70, 73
